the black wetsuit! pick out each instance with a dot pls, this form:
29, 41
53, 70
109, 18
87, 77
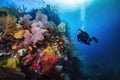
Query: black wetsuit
82, 36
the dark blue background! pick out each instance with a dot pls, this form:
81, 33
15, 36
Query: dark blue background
103, 21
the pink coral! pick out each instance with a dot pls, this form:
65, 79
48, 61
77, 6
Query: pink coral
38, 16
38, 24
25, 20
44, 19
35, 29
41, 17
37, 34
27, 37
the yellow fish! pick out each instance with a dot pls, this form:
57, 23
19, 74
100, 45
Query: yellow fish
14, 47
30, 48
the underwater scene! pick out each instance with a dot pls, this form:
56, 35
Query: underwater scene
59, 39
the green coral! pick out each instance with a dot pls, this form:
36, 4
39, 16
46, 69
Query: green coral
12, 63
62, 27
53, 24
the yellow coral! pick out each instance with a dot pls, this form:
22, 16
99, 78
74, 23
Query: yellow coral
55, 48
19, 34
49, 50
12, 62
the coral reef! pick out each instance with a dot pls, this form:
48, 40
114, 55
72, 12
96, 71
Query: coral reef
38, 48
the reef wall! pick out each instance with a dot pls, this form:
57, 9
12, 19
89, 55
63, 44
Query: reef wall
36, 45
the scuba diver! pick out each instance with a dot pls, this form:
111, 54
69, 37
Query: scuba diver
83, 36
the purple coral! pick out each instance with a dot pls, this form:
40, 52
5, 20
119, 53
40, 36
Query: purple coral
38, 24
41, 17
27, 37
37, 34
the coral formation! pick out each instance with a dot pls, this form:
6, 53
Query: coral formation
36, 46
62, 27
9, 24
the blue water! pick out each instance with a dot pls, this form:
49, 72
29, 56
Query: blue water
102, 20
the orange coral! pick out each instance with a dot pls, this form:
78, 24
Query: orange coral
48, 63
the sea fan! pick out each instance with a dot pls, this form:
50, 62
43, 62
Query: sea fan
9, 24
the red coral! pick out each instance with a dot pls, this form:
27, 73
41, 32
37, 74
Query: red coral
48, 63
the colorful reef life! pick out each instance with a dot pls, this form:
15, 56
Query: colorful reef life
35, 45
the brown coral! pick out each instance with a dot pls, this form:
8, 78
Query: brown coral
9, 24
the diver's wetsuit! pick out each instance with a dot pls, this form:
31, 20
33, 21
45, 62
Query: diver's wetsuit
82, 36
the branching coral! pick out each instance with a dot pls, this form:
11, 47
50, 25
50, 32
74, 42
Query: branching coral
37, 32
44, 19
25, 21
41, 17
9, 24
27, 37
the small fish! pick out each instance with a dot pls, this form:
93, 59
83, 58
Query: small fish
40, 39
35, 46
57, 37
45, 30
30, 48
14, 47
20, 11
59, 68
60, 42
52, 36
62, 74
61, 46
